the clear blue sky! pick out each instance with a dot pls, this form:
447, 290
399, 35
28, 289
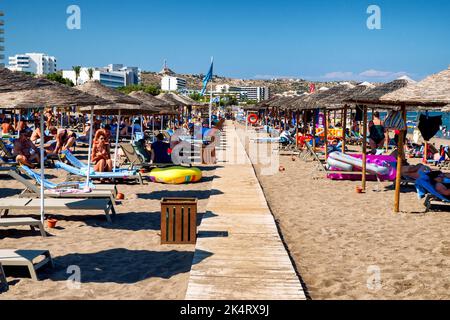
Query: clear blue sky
314, 39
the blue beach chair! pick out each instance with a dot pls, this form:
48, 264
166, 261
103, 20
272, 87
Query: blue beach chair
425, 189
74, 161
126, 175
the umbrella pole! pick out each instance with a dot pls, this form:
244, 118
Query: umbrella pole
314, 131
41, 147
296, 129
153, 128
400, 153
162, 123
91, 132
117, 141
132, 128
344, 128
364, 148
325, 132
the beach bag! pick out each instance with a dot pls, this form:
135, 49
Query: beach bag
394, 120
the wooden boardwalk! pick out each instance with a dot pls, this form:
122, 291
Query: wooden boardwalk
239, 254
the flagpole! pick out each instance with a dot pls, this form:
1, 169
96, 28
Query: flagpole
210, 106
211, 94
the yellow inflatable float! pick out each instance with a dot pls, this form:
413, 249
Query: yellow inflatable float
175, 175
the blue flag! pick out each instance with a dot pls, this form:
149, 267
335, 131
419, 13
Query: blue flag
207, 78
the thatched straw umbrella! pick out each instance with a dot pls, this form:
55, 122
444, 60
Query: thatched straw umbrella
336, 101
373, 97
121, 104
165, 108
18, 90
174, 100
432, 92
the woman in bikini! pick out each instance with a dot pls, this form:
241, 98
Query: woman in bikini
377, 132
101, 156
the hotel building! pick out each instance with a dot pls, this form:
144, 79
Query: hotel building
112, 76
169, 83
36, 63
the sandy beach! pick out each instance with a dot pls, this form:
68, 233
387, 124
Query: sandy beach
352, 246
121, 261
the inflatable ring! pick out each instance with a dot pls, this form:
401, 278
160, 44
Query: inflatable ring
252, 118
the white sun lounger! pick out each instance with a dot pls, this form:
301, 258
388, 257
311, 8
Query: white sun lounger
13, 222
33, 191
26, 258
105, 205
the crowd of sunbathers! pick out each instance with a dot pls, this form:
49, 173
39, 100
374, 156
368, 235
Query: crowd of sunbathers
25, 146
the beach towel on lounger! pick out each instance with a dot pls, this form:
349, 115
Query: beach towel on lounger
94, 175
74, 161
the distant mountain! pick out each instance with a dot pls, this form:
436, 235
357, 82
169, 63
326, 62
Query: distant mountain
277, 86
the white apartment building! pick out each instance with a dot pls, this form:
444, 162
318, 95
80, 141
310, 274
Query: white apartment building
169, 83
36, 63
112, 76
255, 93
243, 93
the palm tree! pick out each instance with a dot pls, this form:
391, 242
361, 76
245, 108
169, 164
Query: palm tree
91, 73
77, 70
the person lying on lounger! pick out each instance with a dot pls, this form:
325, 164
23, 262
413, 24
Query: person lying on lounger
437, 180
414, 172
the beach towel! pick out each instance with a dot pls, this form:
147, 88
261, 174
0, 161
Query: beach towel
394, 120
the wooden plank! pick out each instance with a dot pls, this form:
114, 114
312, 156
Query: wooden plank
246, 258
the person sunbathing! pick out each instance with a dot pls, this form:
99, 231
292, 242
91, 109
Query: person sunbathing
160, 150
65, 139
7, 128
101, 156
437, 180
25, 151
414, 172
36, 135
22, 125
86, 132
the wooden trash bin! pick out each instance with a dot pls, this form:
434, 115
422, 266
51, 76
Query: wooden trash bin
178, 221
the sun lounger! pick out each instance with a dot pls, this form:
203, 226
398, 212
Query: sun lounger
426, 190
62, 190
26, 258
126, 175
105, 205
6, 157
74, 161
32, 223
133, 157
